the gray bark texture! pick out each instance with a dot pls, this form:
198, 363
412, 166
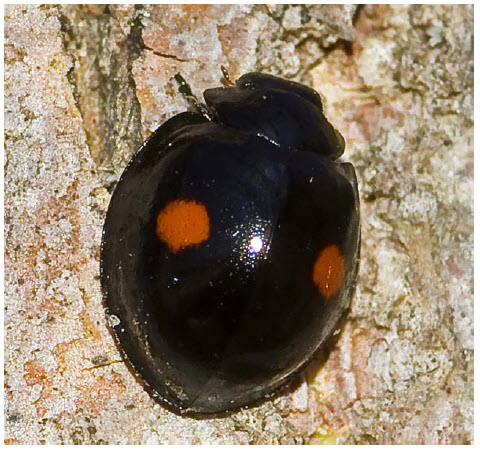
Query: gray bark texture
84, 85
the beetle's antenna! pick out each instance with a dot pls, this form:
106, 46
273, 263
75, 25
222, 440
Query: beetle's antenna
185, 89
226, 76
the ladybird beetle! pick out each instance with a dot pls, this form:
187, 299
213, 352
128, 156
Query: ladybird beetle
230, 246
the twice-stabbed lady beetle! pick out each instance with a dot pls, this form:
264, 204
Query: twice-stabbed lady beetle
230, 246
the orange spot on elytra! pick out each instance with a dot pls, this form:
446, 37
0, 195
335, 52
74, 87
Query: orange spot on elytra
328, 271
183, 223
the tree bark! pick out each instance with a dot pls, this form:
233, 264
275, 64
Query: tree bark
85, 85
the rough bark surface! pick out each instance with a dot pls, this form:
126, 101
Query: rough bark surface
84, 85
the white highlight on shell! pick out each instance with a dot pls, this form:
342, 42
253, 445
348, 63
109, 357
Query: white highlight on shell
256, 244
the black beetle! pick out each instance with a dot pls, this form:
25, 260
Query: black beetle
230, 246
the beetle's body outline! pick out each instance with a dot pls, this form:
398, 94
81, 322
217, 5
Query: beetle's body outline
263, 165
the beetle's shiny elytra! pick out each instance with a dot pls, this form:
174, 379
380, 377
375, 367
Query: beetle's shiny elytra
230, 246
